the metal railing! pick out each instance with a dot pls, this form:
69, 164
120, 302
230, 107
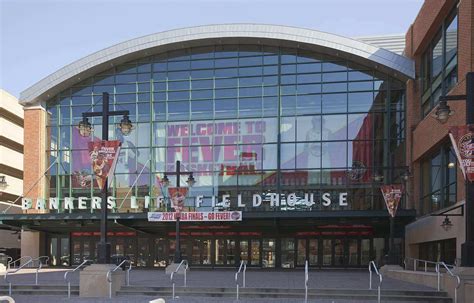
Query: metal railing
372, 265
66, 274
40, 265
415, 262
306, 279
186, 266
458, 279
109, 274
9, 265
242, 269
5, 276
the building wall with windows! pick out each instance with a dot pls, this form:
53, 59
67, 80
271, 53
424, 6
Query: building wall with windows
11, 163
440, 41
250, 110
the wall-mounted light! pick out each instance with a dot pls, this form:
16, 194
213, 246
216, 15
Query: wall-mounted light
442, 112
447, 224
451, 165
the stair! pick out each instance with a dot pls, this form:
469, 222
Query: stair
348, 294
51, 290
261, 293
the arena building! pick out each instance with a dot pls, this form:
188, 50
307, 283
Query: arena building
289, 134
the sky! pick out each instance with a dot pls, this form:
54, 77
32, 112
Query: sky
38, 37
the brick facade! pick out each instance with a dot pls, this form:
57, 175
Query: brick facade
35, 160
425, 135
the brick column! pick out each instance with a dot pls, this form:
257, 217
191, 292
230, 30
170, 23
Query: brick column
35, 164
35, 158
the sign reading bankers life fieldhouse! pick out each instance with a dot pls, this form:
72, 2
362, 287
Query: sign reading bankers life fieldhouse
291, 200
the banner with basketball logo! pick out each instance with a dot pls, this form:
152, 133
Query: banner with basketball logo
177, 197
392, 195
462, 140
103, 156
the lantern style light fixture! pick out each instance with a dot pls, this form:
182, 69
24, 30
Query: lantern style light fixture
85, 128
191, 181
443, 112
447, 224
125, 125
406, 175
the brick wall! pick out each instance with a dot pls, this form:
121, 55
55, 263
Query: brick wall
426, 135
35, 162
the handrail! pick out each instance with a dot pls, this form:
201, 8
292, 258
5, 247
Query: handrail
306, 279
372, 265
109, 278
458, 279
244, 264
5, 276
70, 271
185, 263
416, 261
18, 260
40, 265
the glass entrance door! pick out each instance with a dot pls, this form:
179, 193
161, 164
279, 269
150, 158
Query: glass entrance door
161, 255
268, 258
301, 252
327, 252
255, 252
244, 251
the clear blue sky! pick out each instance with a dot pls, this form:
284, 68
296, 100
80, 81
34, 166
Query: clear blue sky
37, 37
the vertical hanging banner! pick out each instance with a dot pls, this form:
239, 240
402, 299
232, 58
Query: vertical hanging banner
392, 195
103, 156
463, 143
177, 196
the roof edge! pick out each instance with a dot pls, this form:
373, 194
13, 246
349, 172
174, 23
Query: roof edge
400, 67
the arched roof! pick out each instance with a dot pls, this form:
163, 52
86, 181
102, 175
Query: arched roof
377, 58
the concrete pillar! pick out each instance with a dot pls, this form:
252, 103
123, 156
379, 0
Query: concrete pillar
31, 243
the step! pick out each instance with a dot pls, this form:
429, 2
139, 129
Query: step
37, 292
356, 294
38, 287
284, 290
360, 297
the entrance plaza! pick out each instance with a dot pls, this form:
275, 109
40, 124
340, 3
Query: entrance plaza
341, 281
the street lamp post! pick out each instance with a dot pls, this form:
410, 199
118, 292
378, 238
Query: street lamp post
85, 129
190, 181
442, 114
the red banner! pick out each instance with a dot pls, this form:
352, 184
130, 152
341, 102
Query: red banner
103, 156
177, 197
392, 195
462, 140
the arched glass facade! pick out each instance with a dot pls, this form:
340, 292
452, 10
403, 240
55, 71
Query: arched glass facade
245, 120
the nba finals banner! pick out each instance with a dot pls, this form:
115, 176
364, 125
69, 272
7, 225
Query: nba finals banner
177, 196
103, 156
462, 140
392, 195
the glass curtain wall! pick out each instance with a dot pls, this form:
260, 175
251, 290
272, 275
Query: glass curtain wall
244, 119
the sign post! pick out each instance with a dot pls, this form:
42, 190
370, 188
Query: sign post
392, 195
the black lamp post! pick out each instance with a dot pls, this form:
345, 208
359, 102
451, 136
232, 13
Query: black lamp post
85, 129
442, 114
190, 181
